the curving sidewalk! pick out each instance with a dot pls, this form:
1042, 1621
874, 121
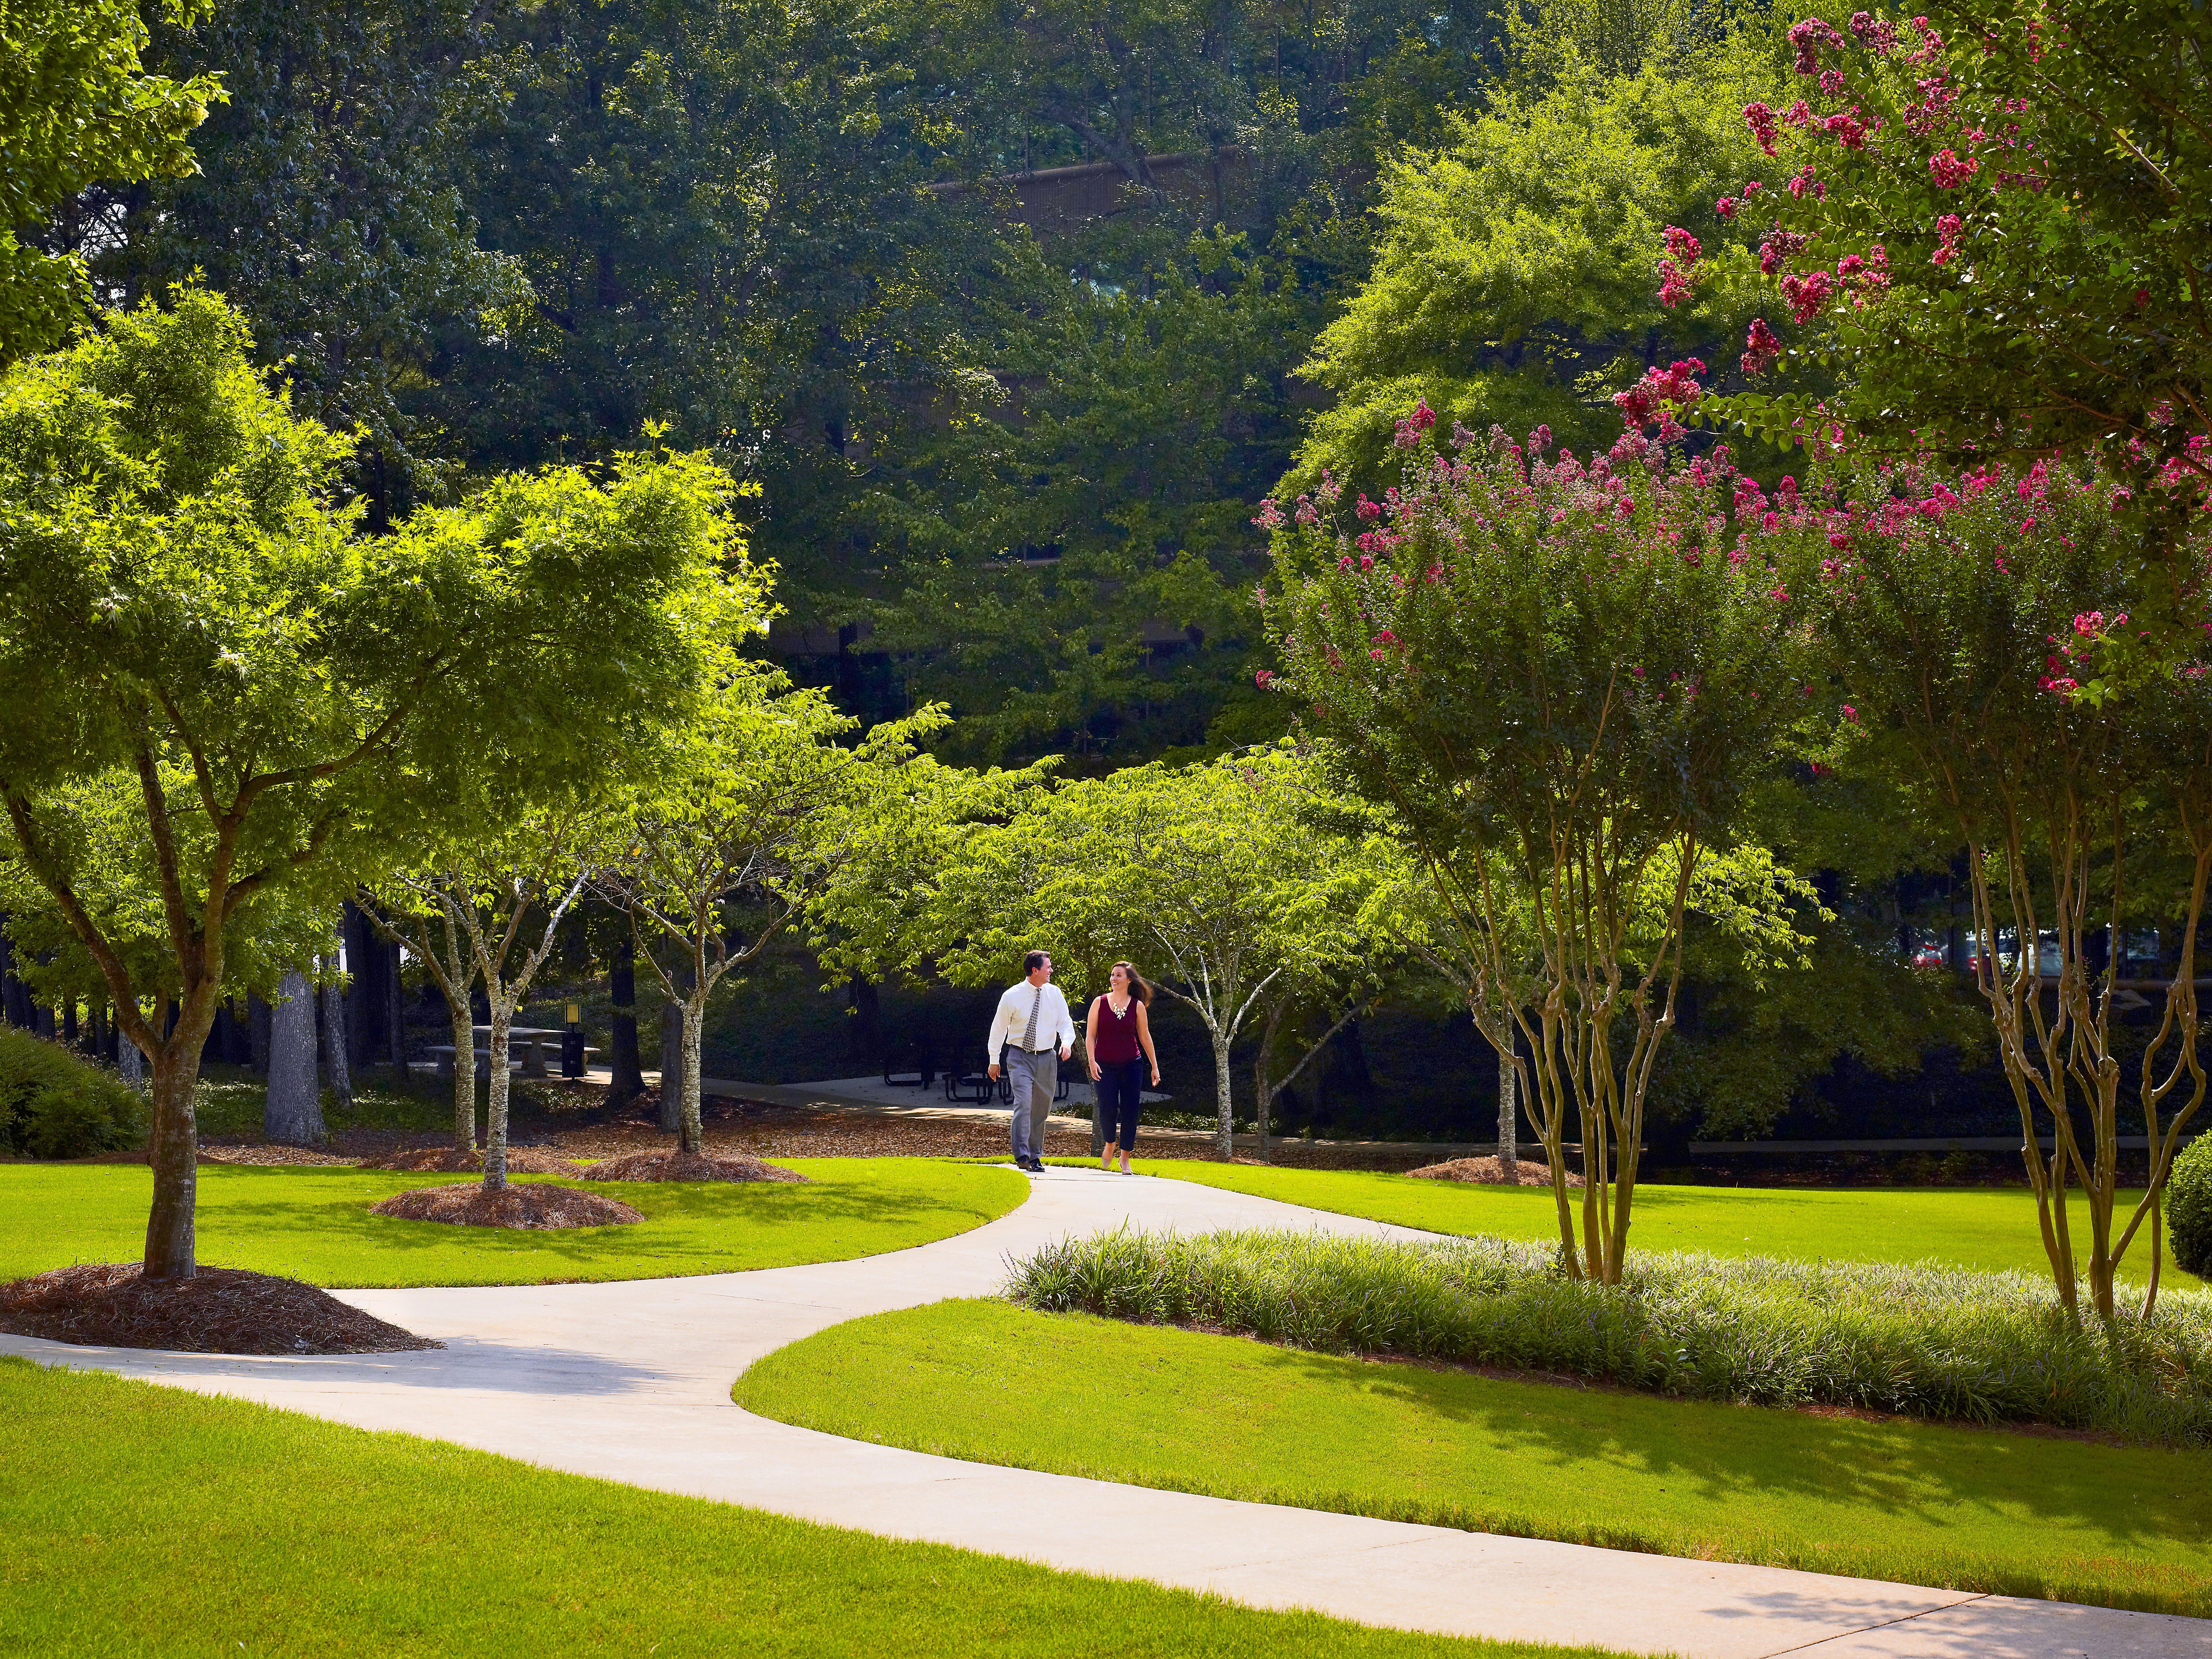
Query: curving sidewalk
631, 1381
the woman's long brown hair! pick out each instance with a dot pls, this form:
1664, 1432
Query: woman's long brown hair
1138, 988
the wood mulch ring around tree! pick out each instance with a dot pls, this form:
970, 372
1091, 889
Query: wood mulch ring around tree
668, 1164
452, 1160
1490, 1171
534, 1205
218, 1310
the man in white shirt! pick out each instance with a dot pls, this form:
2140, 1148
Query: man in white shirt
1032, 1030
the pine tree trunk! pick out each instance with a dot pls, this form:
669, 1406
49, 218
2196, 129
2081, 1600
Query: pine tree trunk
396, 1009
625, 1068
334, 1039
672, 1081
294, 1113
495, 1161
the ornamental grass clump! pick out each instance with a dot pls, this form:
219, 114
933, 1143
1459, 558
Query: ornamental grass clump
1946, 1344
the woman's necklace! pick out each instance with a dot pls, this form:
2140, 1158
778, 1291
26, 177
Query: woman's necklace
1121, 1007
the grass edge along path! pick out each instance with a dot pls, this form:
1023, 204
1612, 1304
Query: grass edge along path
144, 1519
1951, 1508
313, 1223
1988, 1228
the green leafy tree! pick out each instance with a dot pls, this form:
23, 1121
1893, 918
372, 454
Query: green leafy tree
753, 809
1512, 283
77, 109
1568, 671
1957, 613
183, 605
1212, 874
328, 205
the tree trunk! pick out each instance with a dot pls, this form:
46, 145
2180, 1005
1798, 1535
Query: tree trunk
174, 1153
395, 1008
258, 1017
495, 1161
692, 1135
334, 1039
626, 1074
132, 1064
465, 1076
1225, 1143
1509, 1115
673, 1084
68, 1020
292, 1113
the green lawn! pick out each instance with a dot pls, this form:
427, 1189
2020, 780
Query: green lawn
1968, 1508
1967, 1227
144, 1519
314, 1223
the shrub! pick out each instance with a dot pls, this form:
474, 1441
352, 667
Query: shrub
2188, 1206
54, 1105
1926, 1341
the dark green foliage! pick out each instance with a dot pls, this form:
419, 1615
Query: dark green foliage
1946, 1343
54, 1105
76, 109
2188, 1206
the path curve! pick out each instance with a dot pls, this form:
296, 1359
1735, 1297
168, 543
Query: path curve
631, 1381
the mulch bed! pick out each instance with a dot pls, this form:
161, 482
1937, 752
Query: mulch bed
537, 1205
219, 1310
452, 1160
672, 1165
1490, 1171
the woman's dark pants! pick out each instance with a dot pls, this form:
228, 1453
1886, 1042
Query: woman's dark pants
1118, 1097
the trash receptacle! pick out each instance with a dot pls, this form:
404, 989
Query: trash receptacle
572, 1043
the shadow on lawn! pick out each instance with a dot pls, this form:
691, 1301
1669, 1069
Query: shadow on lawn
1721, 1453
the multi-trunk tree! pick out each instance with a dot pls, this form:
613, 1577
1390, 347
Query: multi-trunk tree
752, 809
189, 622
1960, 617
1567, 670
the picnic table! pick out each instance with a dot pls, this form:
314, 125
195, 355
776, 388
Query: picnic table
526, 1049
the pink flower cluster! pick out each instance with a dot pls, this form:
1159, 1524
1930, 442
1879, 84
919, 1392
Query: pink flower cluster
1947, 229
1659, 394
1764, 127
1807, 295
1950, 171
1808, 37
1410, 429
1762, 348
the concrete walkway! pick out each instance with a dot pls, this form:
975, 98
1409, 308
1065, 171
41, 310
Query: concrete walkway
631, 1381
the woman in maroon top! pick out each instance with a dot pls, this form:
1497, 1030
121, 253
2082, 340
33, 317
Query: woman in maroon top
1118, 1040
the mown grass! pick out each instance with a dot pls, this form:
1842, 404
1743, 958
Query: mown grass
147, 1519
1945, 1344
1964, 1509
314, 1223
1967, 1227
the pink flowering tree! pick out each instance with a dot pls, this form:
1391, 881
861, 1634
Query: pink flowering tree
1997, 221
1560, 673
1961, 617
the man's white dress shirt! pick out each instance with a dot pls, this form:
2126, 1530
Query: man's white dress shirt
1054, 1030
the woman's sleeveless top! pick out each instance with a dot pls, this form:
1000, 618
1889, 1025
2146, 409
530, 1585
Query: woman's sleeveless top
1117, 1035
